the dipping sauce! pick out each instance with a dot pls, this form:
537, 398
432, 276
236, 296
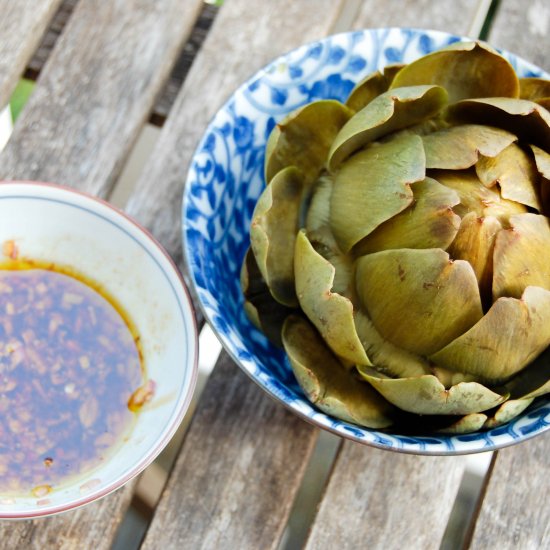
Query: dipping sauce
69, 365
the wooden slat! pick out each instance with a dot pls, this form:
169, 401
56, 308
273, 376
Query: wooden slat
91, 527
96, 91
235, 479
94, 94
22, 25
524, 29
379, 500
374, 499
166, 99
514, 512
243, 458
455, 16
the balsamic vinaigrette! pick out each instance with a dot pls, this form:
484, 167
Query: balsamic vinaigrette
71, 377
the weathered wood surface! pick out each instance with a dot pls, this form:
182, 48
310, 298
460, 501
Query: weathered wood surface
166, 99
237, 474
524, 29
94, 526
96, 91
236, 425
454, 16
22, 25
76, 129
378, 500
515, 511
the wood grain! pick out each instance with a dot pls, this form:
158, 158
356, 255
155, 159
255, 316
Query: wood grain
454, 16
94, 526
524, 29
22, 25
91, 100
381, 500
515, 512
236, 476
96, 91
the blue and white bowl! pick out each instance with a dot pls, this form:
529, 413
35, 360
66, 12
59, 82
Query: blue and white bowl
226, 179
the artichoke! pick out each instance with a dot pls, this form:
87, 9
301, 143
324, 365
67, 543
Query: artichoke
400, 251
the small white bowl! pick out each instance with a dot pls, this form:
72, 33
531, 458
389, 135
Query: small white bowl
55, 224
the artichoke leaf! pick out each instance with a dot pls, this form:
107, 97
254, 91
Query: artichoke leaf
373, 85
533, 381
427, 395
303, 139
331, 313
389, 71
420, 300
511, 335
475, 197
466, 424
475, 243
328, 384
520, 257
529, 121
323, 241
534, 88
373, 186
516, 173
450, 378
386, 357
506, 412
465, 70
389, 112
366, 90
542, 161
275, 222
318, 214
429, 222
261, 308
459, 147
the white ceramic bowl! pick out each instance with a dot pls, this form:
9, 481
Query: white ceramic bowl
55, 224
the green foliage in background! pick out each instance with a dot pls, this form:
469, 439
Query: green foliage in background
20, 96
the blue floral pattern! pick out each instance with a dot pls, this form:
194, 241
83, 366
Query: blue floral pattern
225, 180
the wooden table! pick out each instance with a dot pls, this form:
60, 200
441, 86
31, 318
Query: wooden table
240, 467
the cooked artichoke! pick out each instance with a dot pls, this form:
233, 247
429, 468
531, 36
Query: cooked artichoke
401, 249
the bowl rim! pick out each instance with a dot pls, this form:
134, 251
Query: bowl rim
481, 444
147, 237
